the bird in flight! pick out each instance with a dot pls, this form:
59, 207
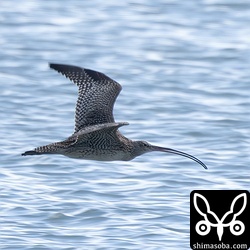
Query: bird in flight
97, 135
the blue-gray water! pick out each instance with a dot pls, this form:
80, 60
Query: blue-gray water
185, 69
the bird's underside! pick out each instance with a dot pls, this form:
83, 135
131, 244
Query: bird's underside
96, 135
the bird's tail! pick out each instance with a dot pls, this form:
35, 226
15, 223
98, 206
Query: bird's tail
54, 148
48, 149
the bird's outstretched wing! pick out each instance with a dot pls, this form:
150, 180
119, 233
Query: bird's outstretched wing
96, 95
99, 135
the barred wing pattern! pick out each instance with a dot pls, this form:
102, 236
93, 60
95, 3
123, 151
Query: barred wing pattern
96, 95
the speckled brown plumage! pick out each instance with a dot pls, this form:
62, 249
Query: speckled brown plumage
96, 95
96, 135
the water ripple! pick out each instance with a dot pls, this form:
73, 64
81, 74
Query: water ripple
186, 78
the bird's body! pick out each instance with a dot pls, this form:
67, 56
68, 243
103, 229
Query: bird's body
96, 135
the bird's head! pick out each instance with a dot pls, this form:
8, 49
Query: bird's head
141, 147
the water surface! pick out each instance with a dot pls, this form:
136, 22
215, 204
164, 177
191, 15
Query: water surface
184, 68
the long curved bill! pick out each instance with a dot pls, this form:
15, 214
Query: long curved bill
173, 151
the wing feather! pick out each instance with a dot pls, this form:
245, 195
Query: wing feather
96, 95
98, 135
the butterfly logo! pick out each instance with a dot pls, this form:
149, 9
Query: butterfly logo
203, 227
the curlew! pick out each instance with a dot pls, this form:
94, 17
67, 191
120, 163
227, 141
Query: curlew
96, 135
